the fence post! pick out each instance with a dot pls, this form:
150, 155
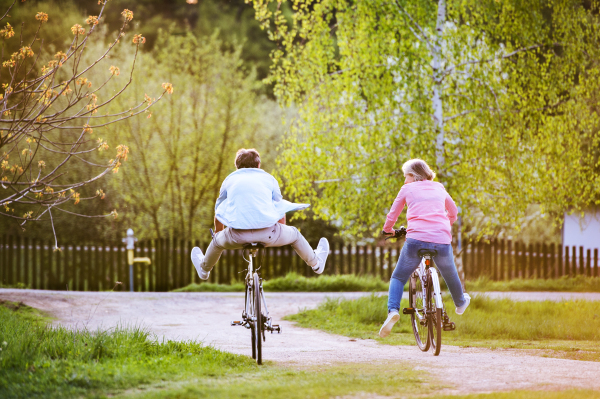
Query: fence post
581, 262
517, 260
559, 261
596, 273
588, 263
2, 256
381, 263
11, 260
566, 271
500, 258
551, 261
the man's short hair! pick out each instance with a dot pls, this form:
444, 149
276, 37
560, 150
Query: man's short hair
247, 158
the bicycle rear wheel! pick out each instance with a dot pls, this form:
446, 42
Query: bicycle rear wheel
418, 318
258, 324
435, 320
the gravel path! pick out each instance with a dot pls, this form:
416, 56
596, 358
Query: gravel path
206, 317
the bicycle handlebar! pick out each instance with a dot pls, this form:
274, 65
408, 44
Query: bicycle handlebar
398, 233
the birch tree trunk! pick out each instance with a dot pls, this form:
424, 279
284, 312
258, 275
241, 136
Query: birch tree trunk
438, 111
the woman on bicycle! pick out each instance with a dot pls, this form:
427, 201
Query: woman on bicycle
431, 212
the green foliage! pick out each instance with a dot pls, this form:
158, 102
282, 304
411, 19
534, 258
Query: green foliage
212, 287
294, 282
181, 154
42, 361
499, 97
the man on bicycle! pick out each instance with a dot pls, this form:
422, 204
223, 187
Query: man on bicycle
251, 207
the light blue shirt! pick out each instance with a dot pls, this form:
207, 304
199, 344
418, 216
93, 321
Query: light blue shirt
250, 198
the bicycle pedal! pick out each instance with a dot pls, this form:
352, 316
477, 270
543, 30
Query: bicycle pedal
449, 326
408, 311
237, 323
276, 327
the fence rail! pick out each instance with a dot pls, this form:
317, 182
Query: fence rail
101, 265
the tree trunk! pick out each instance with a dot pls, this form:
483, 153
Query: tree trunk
438, 111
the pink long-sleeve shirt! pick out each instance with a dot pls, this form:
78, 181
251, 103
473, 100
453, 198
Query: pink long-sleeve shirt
431, 212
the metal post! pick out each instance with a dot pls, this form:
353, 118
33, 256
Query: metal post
130, 245
130, 241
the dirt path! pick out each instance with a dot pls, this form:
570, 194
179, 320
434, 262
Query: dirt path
206, 317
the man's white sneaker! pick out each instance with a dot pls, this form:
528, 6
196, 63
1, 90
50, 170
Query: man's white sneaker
461, 309
322, 251
197, 258
386, 328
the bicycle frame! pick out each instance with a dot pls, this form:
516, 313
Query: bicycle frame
268, 321
424, 270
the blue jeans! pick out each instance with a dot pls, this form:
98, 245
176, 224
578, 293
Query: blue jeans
409, 261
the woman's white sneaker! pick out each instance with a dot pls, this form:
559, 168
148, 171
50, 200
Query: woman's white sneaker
322, 252
197, 259
386, 328
461, 309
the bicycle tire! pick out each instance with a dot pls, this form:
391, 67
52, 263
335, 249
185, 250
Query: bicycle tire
435, 319
258, 323
415, 300
249, 313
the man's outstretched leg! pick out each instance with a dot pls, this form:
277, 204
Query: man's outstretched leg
289, 235
205, 263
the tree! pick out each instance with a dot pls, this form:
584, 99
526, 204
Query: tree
500, 97
49, 114
182, 154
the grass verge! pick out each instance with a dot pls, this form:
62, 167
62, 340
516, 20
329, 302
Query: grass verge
563, 284
294, 282
358, 380
40, 361
567, 329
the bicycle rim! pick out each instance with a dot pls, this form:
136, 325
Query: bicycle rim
250, 313
258, 334
418, 318
435, 322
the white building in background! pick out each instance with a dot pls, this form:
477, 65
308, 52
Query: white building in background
582, 231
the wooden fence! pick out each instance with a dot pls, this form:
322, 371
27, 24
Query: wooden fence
506, 260
100, 266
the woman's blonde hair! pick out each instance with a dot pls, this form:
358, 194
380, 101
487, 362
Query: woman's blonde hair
418, 169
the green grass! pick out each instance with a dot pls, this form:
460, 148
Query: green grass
315, 382
211, 287
563, 284
40, 361
293, 282
568, 329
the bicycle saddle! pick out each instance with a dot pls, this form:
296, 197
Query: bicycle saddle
427, 252
254, 245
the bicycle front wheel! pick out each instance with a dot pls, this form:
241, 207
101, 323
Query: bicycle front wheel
258, 324
419, 317
250, 312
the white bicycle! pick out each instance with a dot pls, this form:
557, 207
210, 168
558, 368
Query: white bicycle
426, 308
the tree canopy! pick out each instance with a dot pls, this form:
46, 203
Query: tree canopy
499, 97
